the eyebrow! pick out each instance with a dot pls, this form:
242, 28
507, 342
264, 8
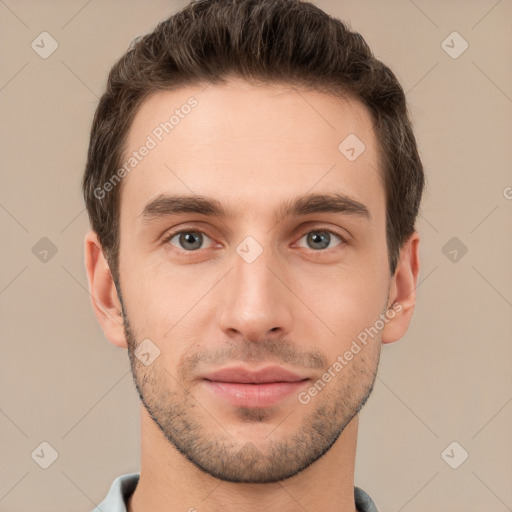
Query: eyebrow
166, 205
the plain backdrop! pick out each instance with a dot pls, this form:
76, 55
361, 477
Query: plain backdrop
447, 381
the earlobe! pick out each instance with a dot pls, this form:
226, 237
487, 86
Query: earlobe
402, 292
103, 293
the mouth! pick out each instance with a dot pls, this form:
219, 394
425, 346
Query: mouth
245, 388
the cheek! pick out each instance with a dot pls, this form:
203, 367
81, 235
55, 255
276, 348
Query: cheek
163, 302
346, 302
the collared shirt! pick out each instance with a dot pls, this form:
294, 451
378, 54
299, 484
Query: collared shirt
124, 485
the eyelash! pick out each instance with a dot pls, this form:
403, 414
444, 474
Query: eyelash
170, 236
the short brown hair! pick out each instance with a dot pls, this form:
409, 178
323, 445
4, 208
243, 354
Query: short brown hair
271, 41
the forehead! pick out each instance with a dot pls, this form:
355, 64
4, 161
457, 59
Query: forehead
241, 142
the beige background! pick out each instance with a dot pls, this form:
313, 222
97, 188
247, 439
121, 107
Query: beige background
448, 380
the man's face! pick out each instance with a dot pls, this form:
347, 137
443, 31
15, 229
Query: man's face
293, 296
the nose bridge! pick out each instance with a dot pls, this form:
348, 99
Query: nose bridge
254, 302
254, 277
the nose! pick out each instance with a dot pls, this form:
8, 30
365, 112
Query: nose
255, 303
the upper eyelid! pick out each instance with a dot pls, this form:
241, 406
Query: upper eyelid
172, 234
332, 232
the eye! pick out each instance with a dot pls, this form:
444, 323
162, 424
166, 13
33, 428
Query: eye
188, 240
321, 239
193, 240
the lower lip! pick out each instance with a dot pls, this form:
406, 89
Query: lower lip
254, 395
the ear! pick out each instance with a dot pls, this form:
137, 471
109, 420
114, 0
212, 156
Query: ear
402, 291
104, 298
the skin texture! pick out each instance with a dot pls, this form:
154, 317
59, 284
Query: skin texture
297, 305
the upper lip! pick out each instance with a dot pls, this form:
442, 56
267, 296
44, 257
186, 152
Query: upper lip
242, 375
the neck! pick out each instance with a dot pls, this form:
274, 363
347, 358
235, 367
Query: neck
168, 481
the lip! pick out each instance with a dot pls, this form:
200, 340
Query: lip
262, 388
242, 375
